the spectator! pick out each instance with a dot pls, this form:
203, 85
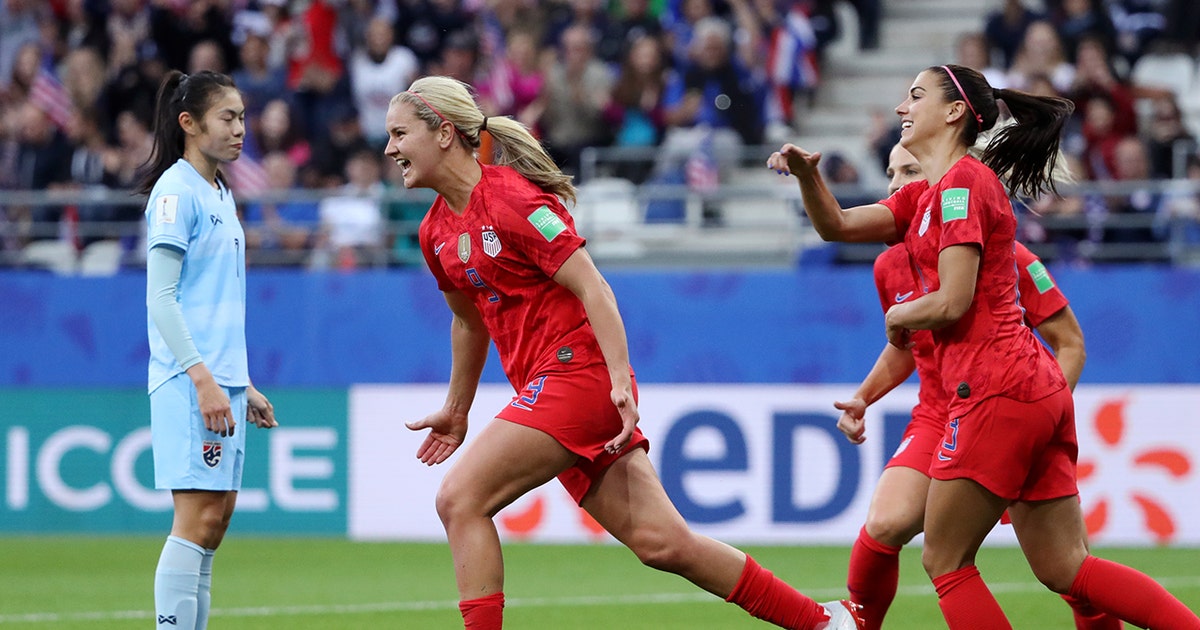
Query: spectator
516, 80
25, 68
972, 51
206, 55
1167, 138
1095, 76
716, 90
424, 25
316, 74
178, 29
574, 98
1077, 19
459, 57
378, 70
1132, 164
351, 220
19, 21
343, 137
679, 24
1100, 138
258, 81
280, 232
607, 36
637, 21
636, 109
43, 162
276, 131
1041, 52
83, 77
1005, 29
94, 166
1138, 23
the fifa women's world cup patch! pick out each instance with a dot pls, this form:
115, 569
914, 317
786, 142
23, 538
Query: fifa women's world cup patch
166, 207
211, 452
547, 223
954, 204
1041, 277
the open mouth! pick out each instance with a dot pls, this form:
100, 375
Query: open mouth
906, 124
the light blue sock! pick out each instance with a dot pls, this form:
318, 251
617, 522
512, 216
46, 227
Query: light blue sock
204, 594
176, 582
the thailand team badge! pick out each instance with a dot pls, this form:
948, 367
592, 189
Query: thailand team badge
464, 247
491, 241
211, 452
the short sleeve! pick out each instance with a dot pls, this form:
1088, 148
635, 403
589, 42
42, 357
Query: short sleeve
430, 251
963, 207
903, 204
1040, 295
545, 232
171, 216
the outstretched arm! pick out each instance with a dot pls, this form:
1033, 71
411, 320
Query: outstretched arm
892, 368
873, 223
579, 274
469, 340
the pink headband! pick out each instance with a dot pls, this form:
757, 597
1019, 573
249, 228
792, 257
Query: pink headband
978, 118
439, 114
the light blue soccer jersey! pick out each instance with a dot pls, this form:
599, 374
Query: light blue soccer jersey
185, 212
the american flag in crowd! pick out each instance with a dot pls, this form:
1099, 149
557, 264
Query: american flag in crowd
48, 94
791, 60
701, 170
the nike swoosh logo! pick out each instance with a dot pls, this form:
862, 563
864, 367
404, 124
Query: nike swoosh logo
437, 249
900, 297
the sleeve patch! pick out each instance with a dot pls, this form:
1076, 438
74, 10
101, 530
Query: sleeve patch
1041, 277
166, 208
547, 223
954, 204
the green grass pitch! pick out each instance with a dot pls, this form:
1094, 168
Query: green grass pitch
300, 584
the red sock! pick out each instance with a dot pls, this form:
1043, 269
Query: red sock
769, 598
1131, 595
872, 578
484, 613
1088, 618
966, 602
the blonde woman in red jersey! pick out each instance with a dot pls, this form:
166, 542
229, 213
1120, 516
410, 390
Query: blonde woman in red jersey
897, 510
504, 251
1010, 436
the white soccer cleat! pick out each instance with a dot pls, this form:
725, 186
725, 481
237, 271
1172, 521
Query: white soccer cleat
843, 615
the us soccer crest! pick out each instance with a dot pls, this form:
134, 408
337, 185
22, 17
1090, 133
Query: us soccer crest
211, 451
464, 247
491, 241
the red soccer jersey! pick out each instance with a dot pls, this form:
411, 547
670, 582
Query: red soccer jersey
1040, 296
502, 253
895, 283
989, 351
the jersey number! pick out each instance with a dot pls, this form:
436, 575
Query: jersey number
528, 398
477, 282
952, 443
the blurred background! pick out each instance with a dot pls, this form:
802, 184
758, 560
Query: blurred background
743, 326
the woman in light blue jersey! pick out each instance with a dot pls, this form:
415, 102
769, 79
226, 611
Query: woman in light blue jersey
200, 389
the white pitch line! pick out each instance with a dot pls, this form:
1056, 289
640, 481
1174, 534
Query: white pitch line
519, 602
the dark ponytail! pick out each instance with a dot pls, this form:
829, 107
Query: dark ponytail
1026, 153
179, 93
1023, 154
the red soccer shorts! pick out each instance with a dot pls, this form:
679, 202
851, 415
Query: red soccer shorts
576, 409
1022, 451
921, 437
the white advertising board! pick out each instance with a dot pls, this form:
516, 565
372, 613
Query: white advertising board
765, 464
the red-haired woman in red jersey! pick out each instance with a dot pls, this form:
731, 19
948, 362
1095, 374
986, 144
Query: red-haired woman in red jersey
1010, 436
504, 251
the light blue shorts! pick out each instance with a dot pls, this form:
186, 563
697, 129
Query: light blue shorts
187, 456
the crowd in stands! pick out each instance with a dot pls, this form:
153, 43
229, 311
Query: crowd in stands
1128, 65
78, 79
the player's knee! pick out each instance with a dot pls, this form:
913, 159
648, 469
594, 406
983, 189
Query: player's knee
939, 561
662, 549
1055, 575
893, 529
